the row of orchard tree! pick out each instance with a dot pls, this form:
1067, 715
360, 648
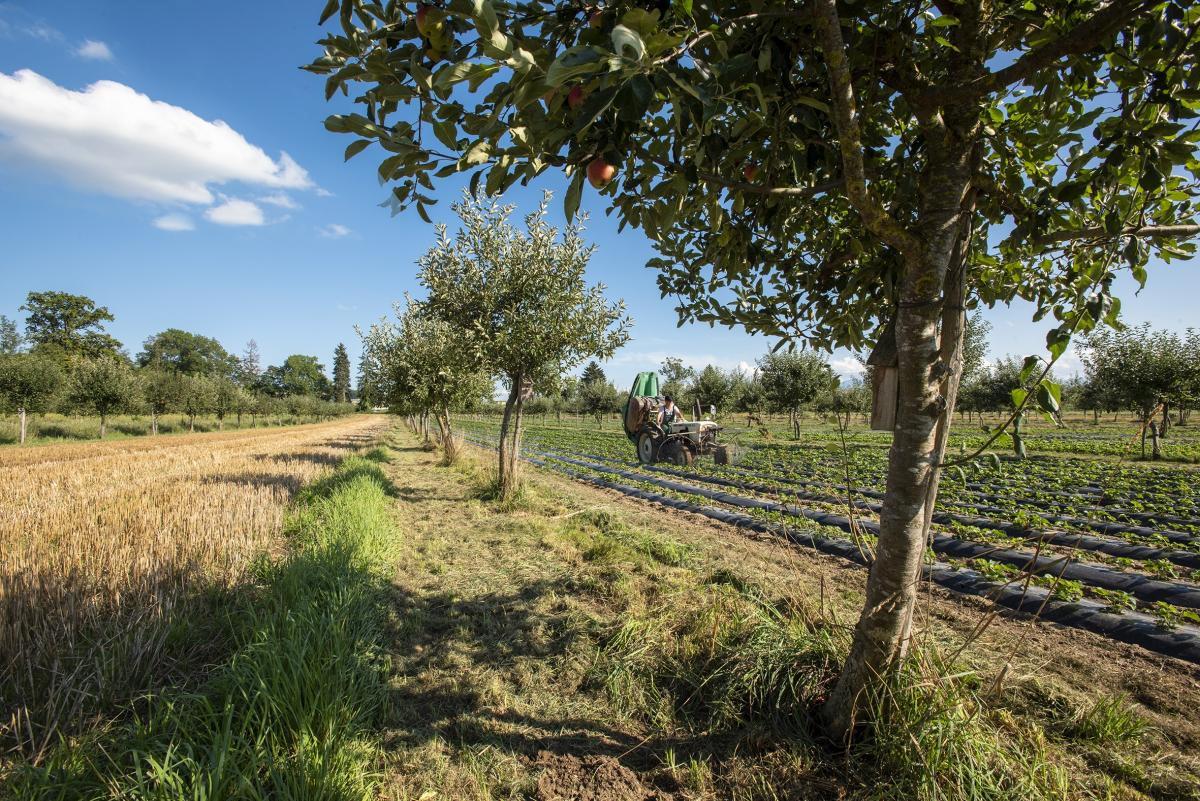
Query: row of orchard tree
502, 304
787, 383
65, 361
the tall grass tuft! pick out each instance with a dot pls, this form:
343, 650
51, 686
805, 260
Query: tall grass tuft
290, 714
732, 660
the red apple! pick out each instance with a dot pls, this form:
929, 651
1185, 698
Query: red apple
600, 172
575, 97
422, 18
750, 171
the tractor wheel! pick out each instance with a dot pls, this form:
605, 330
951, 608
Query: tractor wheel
677, 454
645, 448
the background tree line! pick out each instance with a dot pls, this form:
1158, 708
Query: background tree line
65, 361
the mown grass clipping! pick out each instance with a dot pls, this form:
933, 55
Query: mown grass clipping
291, 714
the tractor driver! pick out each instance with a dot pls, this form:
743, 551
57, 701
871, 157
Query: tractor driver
669, 413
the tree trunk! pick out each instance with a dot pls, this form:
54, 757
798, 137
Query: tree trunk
508, 489
220, 423
21, 415
103, 425
191, 424
795, 425
1155, 448
153, 423
1166, 420
929, 373
503, 447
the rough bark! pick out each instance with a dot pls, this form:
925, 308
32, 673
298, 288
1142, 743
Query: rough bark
153, 423
21, 414
926, 382
505, 422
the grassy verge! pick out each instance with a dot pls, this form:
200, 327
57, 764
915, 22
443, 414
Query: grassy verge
290, 714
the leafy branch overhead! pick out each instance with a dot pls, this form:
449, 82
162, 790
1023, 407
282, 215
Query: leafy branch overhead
715, 128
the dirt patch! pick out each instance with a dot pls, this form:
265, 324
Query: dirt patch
567, 777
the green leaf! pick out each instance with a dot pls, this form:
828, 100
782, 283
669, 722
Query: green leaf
574, 63
574, 191
424, 214
446, 133
1046, 399
1018, 396
356, 147
485, 19
330, 9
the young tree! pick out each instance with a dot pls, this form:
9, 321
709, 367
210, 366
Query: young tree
105, 385
832, 169
598, 398
196, 396
521, 305
28, 385
224, 395
161, 390
1144, 371
792, 380
187, 353
341, 374
712, 387
65, 326
10, 339
243, 402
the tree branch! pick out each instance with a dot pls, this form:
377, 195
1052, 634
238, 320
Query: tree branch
845, 117
1083, 37
1098, 232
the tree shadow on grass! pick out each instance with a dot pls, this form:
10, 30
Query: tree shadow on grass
443, 640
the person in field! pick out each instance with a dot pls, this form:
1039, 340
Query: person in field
669, 413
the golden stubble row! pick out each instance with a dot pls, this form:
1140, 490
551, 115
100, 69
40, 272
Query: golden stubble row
104, 545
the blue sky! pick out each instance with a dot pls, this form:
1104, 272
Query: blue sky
292, 250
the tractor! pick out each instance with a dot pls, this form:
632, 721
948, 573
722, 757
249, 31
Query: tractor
676, 443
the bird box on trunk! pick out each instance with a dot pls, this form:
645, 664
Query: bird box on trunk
884, 362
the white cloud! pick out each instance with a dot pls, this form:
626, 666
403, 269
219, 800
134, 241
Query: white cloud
174, 222
112, 139
280, 199
334, 231
323, 192
847, 367
94, 49
236, 212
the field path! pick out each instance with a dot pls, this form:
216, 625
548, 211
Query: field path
486, 691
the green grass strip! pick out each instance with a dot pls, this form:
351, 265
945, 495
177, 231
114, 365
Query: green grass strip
291, 715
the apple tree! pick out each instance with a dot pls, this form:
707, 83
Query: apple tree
105, 385
829, 173
28, 384
520, 304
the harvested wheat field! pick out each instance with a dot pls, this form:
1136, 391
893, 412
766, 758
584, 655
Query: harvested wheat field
114, 558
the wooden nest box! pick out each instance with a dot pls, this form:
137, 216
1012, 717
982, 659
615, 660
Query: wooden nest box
885, 375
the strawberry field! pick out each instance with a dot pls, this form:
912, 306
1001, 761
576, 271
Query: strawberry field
1105, 545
